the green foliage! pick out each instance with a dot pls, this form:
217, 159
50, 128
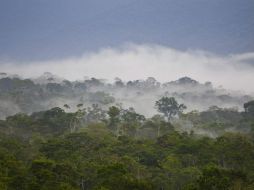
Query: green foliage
214, 177
114, 117
169, 107
39, 151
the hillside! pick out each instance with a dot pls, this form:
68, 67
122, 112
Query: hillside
117, 148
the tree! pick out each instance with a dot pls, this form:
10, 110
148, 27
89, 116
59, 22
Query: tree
249, 107
66, 106
214, 177
95, 114
169, 107
156, 126
79, 105
114, 117
76, 120
131, 122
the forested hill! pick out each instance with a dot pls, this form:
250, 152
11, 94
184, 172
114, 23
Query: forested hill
48, 91
137, 135
120, 149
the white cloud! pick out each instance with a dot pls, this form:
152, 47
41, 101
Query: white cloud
140, 61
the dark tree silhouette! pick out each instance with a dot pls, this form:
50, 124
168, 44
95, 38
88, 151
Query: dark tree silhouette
169, 107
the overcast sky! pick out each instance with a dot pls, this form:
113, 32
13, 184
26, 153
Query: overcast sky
208, 40
57, 29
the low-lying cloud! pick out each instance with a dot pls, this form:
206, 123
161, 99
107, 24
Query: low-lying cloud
132, 61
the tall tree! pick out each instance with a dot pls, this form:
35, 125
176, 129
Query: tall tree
169, 107
249, 107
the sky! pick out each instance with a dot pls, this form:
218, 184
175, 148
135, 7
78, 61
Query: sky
73, 38
55, 29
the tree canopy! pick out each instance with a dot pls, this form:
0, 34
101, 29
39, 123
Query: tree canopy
169, 107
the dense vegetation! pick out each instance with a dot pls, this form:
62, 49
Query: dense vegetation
120, 149
48, 91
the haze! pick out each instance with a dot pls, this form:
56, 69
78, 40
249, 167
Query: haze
132, 61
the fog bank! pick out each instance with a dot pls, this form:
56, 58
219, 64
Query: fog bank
134, 61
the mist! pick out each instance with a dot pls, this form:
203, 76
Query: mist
133, 61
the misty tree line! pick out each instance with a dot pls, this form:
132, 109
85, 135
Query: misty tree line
33, 95
213, 122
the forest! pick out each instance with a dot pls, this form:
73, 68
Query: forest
95, 135
126, 95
